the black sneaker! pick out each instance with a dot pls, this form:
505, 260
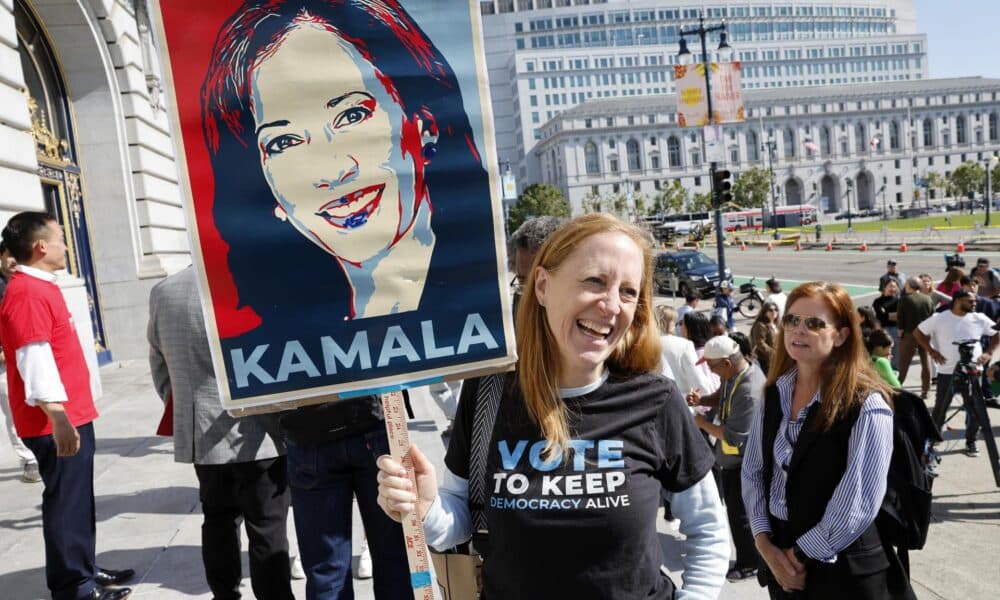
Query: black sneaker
971, 449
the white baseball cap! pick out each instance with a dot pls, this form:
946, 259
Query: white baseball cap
721, 346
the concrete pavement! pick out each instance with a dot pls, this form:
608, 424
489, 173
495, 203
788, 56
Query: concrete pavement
149, 516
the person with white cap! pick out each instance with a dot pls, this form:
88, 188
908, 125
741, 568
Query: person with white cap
733, 406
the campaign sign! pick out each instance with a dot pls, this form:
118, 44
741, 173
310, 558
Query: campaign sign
342, 192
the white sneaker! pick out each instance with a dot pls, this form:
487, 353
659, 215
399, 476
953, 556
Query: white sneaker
364, 562
30, 473
297, 572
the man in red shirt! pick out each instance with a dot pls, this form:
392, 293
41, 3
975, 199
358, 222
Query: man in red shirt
52, 407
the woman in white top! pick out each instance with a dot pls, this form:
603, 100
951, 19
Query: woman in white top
695, 327
678, 354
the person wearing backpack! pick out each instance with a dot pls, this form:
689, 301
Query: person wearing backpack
587, 434
817, 459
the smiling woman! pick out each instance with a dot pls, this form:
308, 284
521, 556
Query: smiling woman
587, 436
332, 127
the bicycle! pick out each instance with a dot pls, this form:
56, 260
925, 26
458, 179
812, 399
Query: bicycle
750, 305
966, 381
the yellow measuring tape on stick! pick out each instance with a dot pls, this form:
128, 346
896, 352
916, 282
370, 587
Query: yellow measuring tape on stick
413, 530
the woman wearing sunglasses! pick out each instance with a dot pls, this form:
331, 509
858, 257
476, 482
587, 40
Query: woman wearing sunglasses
815, 467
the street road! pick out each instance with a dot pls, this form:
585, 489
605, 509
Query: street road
849, 267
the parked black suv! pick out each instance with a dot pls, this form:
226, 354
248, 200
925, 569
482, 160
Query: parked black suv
686, 270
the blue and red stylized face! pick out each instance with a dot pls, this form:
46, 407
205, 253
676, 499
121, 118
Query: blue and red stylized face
333, 144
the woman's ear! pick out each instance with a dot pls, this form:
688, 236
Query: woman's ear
427, 128
541, 285
842, 334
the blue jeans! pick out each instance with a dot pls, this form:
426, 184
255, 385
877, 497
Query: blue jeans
324, 477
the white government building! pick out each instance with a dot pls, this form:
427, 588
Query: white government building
620, 145
547, 56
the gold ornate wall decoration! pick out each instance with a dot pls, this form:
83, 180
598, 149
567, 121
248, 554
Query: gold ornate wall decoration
47, 144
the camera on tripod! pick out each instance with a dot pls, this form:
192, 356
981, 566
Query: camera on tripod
965, 354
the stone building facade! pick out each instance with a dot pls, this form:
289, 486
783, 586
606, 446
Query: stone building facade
879, 137
84, 135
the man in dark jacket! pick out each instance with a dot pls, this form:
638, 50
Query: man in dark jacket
913, 307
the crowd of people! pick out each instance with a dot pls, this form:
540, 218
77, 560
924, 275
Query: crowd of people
779, 442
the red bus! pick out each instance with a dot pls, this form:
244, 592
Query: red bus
753, 219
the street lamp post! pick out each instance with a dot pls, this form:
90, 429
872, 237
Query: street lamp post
991, 162
850, 186
771, 146
684, 54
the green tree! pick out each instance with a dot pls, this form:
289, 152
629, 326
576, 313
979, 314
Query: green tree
752, 189
592, 202
619, 202
539, 199
701, 202
639, 204
968, 177
934, 181
671, 199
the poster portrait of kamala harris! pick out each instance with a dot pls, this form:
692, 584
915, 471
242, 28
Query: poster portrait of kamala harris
342, 190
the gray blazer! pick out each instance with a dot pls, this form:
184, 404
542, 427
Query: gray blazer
181, 363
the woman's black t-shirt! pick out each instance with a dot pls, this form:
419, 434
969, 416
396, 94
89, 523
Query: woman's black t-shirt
583, 526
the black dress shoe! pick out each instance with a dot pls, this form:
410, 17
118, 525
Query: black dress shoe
115, 594
106, 577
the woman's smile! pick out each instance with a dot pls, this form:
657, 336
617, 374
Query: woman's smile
353, 209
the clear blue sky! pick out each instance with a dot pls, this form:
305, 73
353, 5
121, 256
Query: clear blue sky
963, 36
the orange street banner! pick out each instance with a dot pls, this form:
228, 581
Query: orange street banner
692, 98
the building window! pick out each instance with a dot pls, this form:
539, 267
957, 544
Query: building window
588, 123
993, 127
591, 159
654, 161
753, 146
696, 158
893, 135
616, 188
613, 163
697, 181
860, 141
609, 121
673, 151
632, 153
961, 135
611, 144
595, 189
928, 133
788, 139
825, 143
652, 141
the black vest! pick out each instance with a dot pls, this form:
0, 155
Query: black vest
818, 462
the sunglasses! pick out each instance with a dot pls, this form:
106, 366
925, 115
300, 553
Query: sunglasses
790, 321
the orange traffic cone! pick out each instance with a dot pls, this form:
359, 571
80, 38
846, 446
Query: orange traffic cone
864, 246
961, 246
769, 247
902, 247
798, 246
829, 246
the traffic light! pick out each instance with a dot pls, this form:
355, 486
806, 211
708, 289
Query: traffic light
722, 186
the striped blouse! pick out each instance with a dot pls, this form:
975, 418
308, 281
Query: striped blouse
858, 495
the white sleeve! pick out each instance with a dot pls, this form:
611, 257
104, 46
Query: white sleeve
703, 522
37, 367
448, 522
